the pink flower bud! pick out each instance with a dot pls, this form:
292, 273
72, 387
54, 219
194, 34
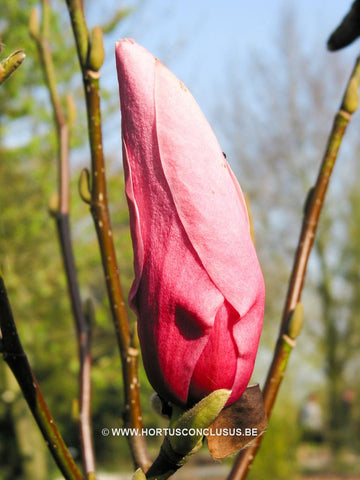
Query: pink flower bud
198, 290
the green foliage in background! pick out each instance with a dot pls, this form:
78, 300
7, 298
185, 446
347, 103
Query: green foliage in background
278, 458
30, 258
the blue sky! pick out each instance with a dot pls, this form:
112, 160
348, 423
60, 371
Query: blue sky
199, 39
196, 37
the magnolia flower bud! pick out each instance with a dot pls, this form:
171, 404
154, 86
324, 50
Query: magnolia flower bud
198, 290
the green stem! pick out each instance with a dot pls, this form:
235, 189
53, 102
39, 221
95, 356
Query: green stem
17, 360
100, 212
306, 240
80, 29
83, 333
61, 216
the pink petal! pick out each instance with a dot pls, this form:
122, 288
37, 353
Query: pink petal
160, 244
216, 366
209, 204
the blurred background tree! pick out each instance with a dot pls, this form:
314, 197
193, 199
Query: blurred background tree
277, 127
26, 243
30, 257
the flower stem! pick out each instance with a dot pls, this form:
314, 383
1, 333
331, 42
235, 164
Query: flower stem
312, 212
89, 56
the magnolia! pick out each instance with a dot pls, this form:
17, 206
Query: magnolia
198, 291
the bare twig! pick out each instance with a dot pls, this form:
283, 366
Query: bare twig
60, 212
90, 53
313, 208
16, 358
